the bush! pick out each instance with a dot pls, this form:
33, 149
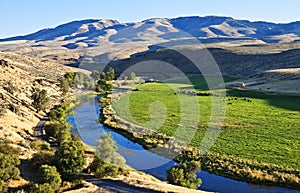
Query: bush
8, 167
40, 145
11, 87
2, 186
185, 175
69, 160
41, 188
48, 174
60, 112
42, 158
107, 161
58, 130
5, 148
102, 169
40, 99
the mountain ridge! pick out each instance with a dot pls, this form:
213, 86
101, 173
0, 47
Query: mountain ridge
199, 27
107, 39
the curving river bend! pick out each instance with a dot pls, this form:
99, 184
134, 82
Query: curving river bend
84, 124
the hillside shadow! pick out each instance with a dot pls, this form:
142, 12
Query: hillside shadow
281, 101
28, 172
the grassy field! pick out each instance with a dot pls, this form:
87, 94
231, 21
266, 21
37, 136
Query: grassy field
257, 126
200, 82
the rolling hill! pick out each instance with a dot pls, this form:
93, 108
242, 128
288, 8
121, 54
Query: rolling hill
241, 48
111, 39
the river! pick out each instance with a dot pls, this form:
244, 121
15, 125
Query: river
84, 124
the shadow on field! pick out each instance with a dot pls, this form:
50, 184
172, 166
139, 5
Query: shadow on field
281, 101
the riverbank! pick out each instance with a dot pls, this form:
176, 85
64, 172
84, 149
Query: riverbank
133, 182
223, 165
130, 182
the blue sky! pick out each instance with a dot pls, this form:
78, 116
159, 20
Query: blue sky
19, 17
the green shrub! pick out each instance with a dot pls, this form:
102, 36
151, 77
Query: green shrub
40, 99
9, 162
42, 158
60, 113
48, 174
8, 167
5, 148
41, 188
58, 130
2, 186
40, 145
185, 175
69, 160
64, 85
107, 161
102, 169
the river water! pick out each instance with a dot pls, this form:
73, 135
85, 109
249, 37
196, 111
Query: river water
84, 124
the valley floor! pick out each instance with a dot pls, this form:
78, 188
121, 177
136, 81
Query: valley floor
259, 129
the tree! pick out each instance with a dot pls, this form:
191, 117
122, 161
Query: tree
60, 113
89, 85
40, 99
107, 161
70, 76
69, 159
64, 85
95, 75
58, 130
106, 151
103, 86
103, 75
132, 76
184, 175
80, 78
110, 74
48, 174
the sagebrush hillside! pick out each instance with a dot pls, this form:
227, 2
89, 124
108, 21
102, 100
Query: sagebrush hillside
19, 76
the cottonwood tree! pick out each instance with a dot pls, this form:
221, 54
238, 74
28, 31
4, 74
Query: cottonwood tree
107, 161
106, 151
